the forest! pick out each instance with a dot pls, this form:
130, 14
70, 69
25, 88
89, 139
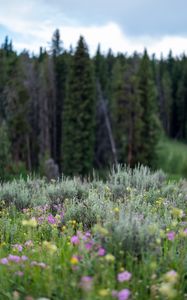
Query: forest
86, 112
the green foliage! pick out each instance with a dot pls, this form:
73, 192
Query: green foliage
149, 134
5, 156
79, 115
172, 157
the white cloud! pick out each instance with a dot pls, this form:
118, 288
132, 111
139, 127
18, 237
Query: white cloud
33, 23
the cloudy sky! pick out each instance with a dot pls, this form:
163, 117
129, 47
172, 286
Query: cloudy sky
123, 25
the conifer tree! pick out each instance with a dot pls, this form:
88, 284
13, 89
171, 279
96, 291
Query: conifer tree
79, 115
127, 113
150, 126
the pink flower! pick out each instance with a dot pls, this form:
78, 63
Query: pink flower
124, 276
29, 243
38, 264
86, 283
171, 235
19, 273
4, 261
101, 252
75, 240
124, 294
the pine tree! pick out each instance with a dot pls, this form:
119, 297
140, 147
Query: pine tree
79, 115
149, 136
128, 112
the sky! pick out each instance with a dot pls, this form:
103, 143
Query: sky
122, 25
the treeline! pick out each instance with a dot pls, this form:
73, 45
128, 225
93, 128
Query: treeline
85, 112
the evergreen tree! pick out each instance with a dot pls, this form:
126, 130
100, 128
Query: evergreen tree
79, 115
128, 112
149, 136
5, 148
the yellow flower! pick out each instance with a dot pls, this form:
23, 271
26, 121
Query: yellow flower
74, 260
110, 258
103, 293
31, 223
116, 210
99, 229
166, 289
171, 277
177, 213
52, 248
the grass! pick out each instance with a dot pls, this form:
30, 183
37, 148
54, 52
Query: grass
125, 238
172, 158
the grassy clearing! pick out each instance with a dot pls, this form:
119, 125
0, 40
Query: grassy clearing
125, 238
172, 158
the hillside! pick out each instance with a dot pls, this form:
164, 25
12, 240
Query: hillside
125, 238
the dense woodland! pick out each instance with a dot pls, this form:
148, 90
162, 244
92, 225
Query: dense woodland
87, 112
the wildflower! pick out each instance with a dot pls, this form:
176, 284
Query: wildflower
167, 290
18, 247
171, 276
101, 252
124, 276
177, 213
29, 243
75, 240
185, 231
50, 247
32, 222
124, 294
86, 283
38, 264
110, 258
19, 273
16, 295
101, 230
171, 235
103, 292
115, 294
24, 258
88, 246
116, 210
51, 219
74, 260
4, 261
14, 258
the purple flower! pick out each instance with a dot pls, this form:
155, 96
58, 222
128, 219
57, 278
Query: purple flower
124, 276
75, 240
51, 219
4, 261
14, 258
114, 294
24, 258
18, 247
171, 235
40, 220
88, 246
101, 252
124, 294
185, 231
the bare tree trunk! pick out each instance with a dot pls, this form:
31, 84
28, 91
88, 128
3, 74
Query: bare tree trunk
108, 125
